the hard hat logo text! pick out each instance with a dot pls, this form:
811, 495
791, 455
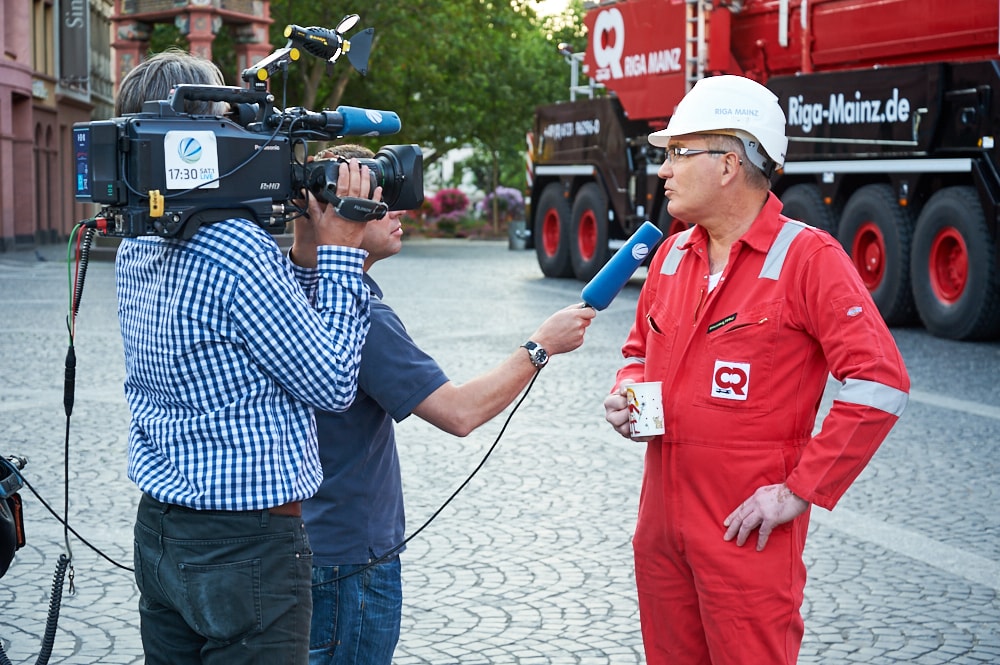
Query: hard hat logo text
742, 113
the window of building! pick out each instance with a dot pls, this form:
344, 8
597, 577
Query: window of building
42, 30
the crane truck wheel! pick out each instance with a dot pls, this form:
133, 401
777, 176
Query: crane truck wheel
956, 283
876, 232
551, 232
805, 203
589, 232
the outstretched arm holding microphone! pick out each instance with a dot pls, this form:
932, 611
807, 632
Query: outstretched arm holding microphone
490, 393
355, 521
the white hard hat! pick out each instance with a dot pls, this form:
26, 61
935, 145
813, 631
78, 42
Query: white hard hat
732, 105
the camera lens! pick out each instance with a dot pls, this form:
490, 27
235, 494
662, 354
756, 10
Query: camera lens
397, 169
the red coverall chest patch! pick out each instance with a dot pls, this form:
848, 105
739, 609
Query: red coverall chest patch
731, 380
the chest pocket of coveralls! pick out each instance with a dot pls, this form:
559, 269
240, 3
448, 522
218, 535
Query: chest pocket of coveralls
660, 339
738, 366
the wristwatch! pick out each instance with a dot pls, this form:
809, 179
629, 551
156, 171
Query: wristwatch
538, 355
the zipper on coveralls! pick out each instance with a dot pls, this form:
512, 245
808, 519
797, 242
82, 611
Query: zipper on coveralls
746, 325
697, 309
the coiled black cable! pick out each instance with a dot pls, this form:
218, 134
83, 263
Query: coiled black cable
84, 259
52, 622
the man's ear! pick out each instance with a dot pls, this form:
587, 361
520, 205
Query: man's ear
732, 164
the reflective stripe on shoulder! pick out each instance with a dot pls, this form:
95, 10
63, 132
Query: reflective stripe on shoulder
876, 395
674, 256
775, 258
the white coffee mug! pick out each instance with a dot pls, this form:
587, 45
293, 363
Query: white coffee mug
645, 408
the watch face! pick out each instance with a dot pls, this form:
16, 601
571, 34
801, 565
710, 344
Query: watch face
540, 357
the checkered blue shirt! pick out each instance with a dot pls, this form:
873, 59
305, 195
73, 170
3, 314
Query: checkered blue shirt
227, 348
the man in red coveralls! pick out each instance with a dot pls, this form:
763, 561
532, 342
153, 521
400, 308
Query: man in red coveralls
743, 317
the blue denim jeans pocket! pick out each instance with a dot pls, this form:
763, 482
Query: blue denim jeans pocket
356, 614
223, 599
326, 595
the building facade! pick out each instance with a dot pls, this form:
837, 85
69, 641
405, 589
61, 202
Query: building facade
52, 75
61, 60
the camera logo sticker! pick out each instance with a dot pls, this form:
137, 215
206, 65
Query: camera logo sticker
731, 380
191, 159
189, 150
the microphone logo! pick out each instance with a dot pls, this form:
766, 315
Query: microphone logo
374, 116
640, 251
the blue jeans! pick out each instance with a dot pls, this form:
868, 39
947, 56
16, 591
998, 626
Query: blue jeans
220, 587
356, 619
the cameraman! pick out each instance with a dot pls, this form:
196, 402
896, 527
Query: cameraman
228, 347
356, 516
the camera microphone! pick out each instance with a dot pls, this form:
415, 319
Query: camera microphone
606, 284
347, 121
368, 122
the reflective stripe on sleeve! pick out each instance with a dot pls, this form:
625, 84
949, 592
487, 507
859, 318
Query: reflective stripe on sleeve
876, 395
635, 361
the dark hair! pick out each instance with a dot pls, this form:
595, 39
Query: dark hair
154, 78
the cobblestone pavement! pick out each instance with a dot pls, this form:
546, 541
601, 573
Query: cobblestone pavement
531, 563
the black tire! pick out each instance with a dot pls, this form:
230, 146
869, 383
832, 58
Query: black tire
588, 245
551, 232
877, 233
953, 268
805, 203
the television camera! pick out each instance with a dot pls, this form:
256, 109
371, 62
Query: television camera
165, 171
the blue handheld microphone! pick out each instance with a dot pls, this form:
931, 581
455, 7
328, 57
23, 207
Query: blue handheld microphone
611, 279
368, 122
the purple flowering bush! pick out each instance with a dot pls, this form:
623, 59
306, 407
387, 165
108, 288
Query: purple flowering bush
509, 203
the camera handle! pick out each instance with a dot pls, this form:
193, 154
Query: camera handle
355, 208
222, 93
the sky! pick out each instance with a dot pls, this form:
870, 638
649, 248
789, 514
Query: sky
548, 7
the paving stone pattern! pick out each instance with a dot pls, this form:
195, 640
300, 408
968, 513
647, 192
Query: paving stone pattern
531, 564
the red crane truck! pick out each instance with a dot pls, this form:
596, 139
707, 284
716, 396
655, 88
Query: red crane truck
892, 107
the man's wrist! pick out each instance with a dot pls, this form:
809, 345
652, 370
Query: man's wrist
301, 257
536, 353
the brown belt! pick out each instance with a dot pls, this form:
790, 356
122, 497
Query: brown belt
290, 509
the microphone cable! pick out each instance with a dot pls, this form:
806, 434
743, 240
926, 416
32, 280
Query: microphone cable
385, 557
82, 236
393, 551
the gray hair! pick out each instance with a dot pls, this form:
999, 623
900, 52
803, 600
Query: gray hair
755, 177
153, 79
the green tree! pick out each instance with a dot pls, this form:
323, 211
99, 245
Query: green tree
458, 72
165, 35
